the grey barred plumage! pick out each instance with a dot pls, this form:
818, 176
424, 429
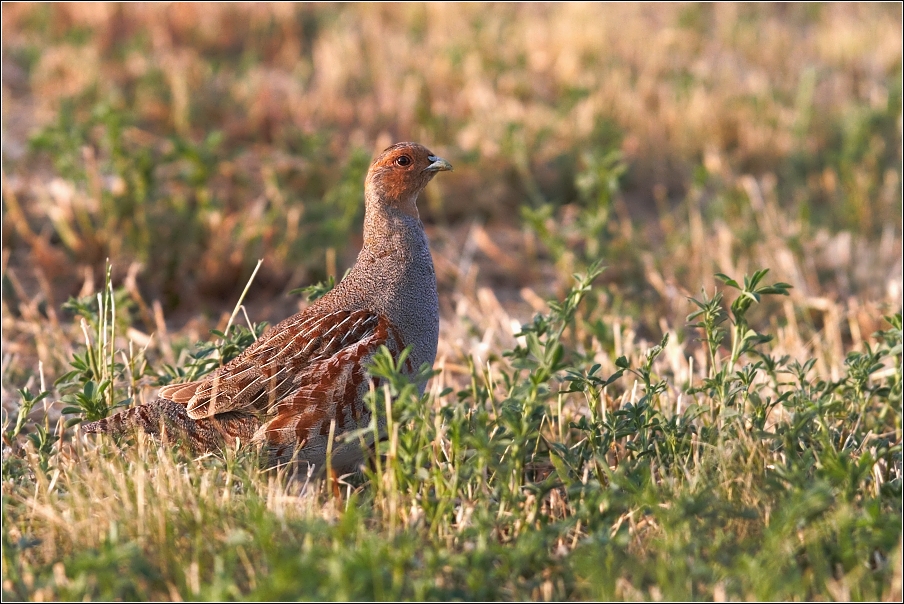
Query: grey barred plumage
309, 371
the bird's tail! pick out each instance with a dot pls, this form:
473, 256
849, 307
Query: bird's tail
144, 418
170, 421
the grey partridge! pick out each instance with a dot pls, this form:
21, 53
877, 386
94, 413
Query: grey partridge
310, 370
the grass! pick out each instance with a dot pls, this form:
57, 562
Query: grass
685, 424
531, 482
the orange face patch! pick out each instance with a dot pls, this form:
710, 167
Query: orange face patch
400, 173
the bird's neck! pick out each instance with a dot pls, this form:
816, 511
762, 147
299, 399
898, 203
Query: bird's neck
391, 226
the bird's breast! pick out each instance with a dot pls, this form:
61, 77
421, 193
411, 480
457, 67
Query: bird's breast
395, 278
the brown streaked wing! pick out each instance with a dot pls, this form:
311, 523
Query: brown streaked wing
265, 372
179, 393
329, 390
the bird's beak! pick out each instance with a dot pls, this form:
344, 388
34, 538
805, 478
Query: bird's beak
438, 164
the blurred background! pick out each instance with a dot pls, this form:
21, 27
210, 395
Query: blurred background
184, 142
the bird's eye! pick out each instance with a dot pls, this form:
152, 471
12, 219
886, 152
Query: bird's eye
403, 160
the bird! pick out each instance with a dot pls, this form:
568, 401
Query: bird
304, 379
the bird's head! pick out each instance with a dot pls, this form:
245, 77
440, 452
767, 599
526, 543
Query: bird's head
399, 174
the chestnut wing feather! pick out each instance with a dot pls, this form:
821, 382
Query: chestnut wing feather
266, 372
330, 390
